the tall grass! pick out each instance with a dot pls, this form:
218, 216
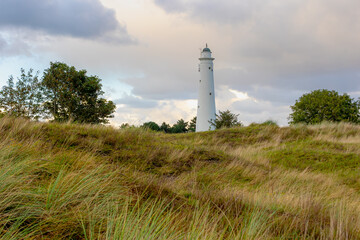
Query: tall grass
258, 182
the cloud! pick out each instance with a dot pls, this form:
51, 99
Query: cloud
280, 85
252, 106
3, 43
160, 87
133, 101
168, 78
172, 6
13, 46
252, 110
168, 111
76, 18
298, 45
228, 11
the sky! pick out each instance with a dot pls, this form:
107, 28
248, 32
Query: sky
267, 52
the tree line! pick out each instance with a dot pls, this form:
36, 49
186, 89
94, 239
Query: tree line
225, 119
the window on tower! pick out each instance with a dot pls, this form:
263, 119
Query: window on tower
209, 93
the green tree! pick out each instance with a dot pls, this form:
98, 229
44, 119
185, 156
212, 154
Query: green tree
324, 105
270, 123
72, 95
151, 125
192, 125
179, 127
226, 119
23, 98
165, 127
125, 126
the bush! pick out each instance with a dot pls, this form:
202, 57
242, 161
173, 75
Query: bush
324, 105
226, 119
151, 125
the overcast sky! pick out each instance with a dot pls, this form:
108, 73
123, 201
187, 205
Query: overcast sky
267, 52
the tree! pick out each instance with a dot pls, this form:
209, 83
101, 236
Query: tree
324, 105
151, 125
165, 127
192, 125
72, 95
270, 123
23, 98
226, 119
179, 127
125, 126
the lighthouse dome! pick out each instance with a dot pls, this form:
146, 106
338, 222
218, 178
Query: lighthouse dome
206, 49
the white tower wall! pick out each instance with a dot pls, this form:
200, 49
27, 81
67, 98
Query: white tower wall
206, 99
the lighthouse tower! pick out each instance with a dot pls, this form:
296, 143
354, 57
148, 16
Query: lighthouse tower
206, 101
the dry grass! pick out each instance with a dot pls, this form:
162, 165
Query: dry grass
258, 182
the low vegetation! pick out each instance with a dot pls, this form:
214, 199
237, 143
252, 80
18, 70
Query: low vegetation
68, 181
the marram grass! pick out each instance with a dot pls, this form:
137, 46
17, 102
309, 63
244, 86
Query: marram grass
67, 181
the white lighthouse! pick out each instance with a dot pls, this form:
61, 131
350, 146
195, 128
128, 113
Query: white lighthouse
206, 101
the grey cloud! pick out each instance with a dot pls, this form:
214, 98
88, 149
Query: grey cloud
171, 6
297, 45
13, 47
342, 81
228, 11
77, 18
280, 86
260, 111
249, 106
174, 83
176, 91
135, 102
3, 43
355, 95
277, 96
